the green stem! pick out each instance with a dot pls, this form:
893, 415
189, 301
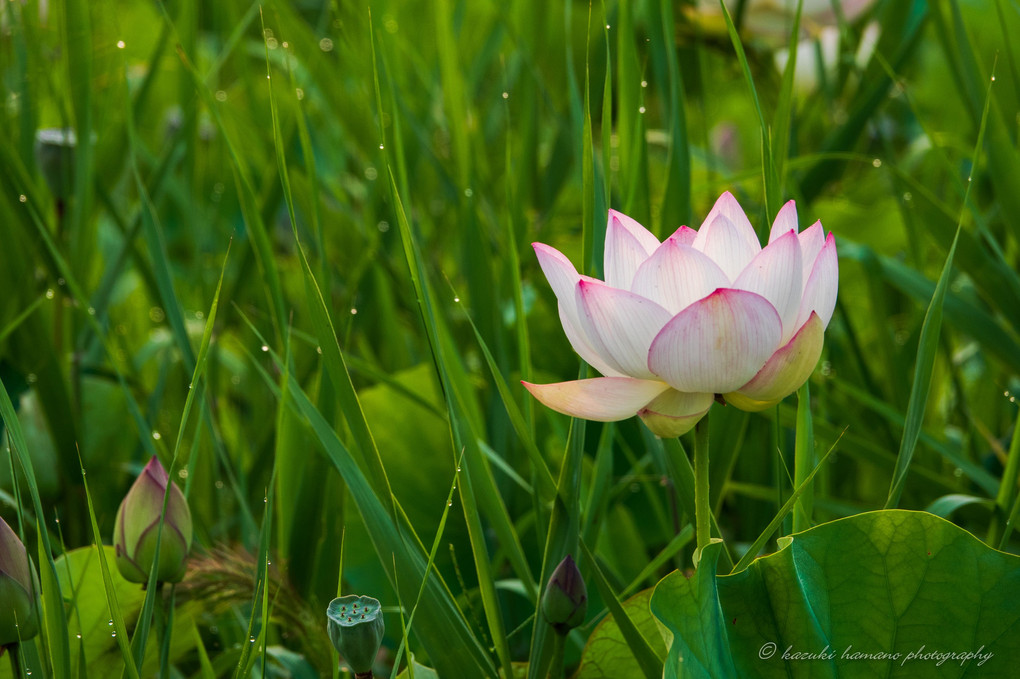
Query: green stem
559, 648
803, 460
702, 511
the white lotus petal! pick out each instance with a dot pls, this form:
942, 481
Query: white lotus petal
582, 344
727, 244
677, 275
783, 374
822, 285
603, 399
775, 275
716, 344
685, 235
673, 413
811, 241
736, 239
785, 220
627, 245
621, 325
563, 279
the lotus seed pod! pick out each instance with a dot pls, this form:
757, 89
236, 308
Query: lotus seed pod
356, 630
18, 590
54, 152
565, 600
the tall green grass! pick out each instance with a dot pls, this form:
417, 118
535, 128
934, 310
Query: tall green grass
378, 171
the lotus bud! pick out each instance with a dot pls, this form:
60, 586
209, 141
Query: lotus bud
565, 600
18, 590
356, 629
54, 152
137, 525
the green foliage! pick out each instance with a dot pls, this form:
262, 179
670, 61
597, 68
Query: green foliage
354, 379
876, 583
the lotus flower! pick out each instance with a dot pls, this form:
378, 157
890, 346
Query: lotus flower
703, 315
137, 524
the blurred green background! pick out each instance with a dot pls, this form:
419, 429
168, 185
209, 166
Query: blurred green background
474, 114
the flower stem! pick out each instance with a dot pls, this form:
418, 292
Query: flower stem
559, 647
702, 511
803, 460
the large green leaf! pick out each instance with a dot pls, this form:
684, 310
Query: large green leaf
882, 594
607, 653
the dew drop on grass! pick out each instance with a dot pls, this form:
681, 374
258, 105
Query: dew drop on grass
110, 623
265, 348
23, 198
506, 95
156, 436
877, 162
50, 294
381, 147
641, 110
644, 83
456, 299
120, 44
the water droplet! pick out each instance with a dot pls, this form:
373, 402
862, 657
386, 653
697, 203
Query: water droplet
113, 633
300, 93
607, 27
92, 311
318, 350
969, 178
641, 110
1005, 393
383, 226
877, 162
61, 281
110, 623
182, 473
78, 635
221, 95
285, 44
219, 485
354, 311
265, 499
449, 504
120, 44
31, 378
371, 174
382, 146
326, 45
456, 299
468, 192
156, 435
993, 78
644, 83
50, 294
1012, 399
908, 196
265, 348
23, 198
251, 640
506, 95
957, 472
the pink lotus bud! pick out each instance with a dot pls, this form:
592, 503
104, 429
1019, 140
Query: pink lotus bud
134, 536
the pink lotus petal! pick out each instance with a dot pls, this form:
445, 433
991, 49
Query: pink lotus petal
821, 286
582, 345
685, 235
811, 241
677, 275
716, 344
621, 325
673, 413
783, 374
627, 245
727, 244
785, 221
563, 279
603, 399
775, 275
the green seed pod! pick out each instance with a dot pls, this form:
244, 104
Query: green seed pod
19, 588
565, 600
356, 630
137, 524
54, 153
